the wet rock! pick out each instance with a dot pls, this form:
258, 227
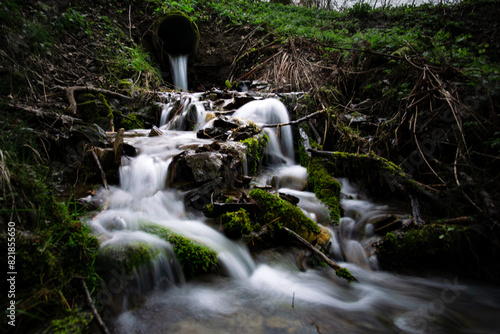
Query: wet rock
386, 223
222, 127
129, 150
193, 168
155, 132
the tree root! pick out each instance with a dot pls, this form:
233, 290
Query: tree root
70, 95
45, 114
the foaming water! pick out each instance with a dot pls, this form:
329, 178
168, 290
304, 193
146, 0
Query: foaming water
183, 112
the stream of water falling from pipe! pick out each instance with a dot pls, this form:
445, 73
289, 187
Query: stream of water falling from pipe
178, 66
267, 292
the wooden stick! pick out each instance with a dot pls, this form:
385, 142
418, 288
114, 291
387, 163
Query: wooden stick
103, 175
325, 258
296, 121
101, 323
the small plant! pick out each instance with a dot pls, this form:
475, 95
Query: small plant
360, 10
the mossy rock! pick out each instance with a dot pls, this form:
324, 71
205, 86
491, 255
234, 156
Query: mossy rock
88, 110
125, 258
194, 258
238, 223
256, 148
276, 212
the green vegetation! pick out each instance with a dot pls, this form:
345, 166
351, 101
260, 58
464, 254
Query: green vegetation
440, 247
54, 252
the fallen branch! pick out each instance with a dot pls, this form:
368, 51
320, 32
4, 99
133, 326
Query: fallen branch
103, 174
340, 271
296, 121
101, 323
70, 95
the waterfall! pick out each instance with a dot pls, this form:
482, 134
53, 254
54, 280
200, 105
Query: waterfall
271, 111
183, 112
266, 292
178, 66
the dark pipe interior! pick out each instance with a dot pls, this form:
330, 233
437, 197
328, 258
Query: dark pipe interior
178, 34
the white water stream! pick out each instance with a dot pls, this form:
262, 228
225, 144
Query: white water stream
178, 66
267, 293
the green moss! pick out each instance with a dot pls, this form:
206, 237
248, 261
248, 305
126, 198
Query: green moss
238, 223
440, 247
108, 109
345, 273
276, 211
256, 148
54, 252
326, 188
75, 322
131, 121
379, 175
194, 258
125, 84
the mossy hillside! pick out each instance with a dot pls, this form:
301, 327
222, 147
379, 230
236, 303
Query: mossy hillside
54, 251
194, 258
276, 212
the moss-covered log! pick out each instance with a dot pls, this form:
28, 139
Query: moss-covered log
467, 251
379, 176
276, 212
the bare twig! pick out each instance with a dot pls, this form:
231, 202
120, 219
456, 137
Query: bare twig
101, 323
296, 121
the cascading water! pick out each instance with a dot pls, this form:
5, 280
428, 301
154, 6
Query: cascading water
268, 293
178, 66
271, 111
